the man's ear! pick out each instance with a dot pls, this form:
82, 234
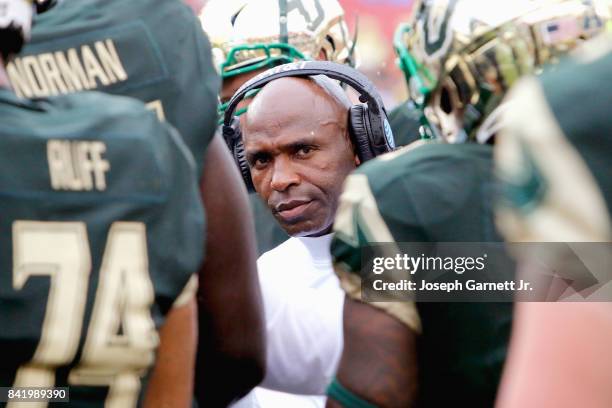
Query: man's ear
357, 161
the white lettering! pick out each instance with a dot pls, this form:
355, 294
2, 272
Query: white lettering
77, 165
70, 70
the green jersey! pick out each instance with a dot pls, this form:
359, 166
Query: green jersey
556, 173
92, 257
432, 193
587, 124
155, 51
404, 121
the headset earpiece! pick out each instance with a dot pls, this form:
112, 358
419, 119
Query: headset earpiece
360, 132
233, 139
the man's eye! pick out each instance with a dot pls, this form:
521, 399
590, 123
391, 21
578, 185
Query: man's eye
260, 161
304, 151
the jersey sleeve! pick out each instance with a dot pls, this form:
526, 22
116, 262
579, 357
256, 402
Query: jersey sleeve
358, 223
190, 96
188, 293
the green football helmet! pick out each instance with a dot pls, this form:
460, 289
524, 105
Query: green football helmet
460, 57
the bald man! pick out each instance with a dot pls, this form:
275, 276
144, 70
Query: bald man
299, 151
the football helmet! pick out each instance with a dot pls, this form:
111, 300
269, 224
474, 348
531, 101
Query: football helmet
15, 25
247, 35
461, 56
251, 34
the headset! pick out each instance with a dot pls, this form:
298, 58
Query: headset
368, 125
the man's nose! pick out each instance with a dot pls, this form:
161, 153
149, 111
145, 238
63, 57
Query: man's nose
283, 175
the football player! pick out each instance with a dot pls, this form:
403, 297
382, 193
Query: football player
93, 296
568, 154
464, 55
156, 51
250, 36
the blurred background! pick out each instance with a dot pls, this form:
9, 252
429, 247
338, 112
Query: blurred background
377, 20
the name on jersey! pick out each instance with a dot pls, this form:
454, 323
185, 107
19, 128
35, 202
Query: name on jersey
77, 165
65, 71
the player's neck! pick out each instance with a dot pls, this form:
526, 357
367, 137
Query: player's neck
4, 82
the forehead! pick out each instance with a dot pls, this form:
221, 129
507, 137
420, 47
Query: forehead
292, 103
274, 134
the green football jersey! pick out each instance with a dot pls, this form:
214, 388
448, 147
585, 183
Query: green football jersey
431, 193
152, 50
555, 173
100, 234
587, 124
404, 121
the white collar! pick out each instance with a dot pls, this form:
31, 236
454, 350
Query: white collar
318, 247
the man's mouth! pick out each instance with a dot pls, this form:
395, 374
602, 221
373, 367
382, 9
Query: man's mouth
291, 210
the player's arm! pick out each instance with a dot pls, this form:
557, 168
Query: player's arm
378, 363
559, 356
231, 350
171, 382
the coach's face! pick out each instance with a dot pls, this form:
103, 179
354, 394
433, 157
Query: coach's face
299, 152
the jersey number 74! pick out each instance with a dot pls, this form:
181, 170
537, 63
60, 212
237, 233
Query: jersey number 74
121, 337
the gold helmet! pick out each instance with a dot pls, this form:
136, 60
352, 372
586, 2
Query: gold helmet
247, 35
461, 56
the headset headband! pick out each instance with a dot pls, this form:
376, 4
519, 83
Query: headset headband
350, 76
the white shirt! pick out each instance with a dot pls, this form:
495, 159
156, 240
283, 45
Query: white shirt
303, 306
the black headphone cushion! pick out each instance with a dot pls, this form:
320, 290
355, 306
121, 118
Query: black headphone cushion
233, 138
241, 161
360, 131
